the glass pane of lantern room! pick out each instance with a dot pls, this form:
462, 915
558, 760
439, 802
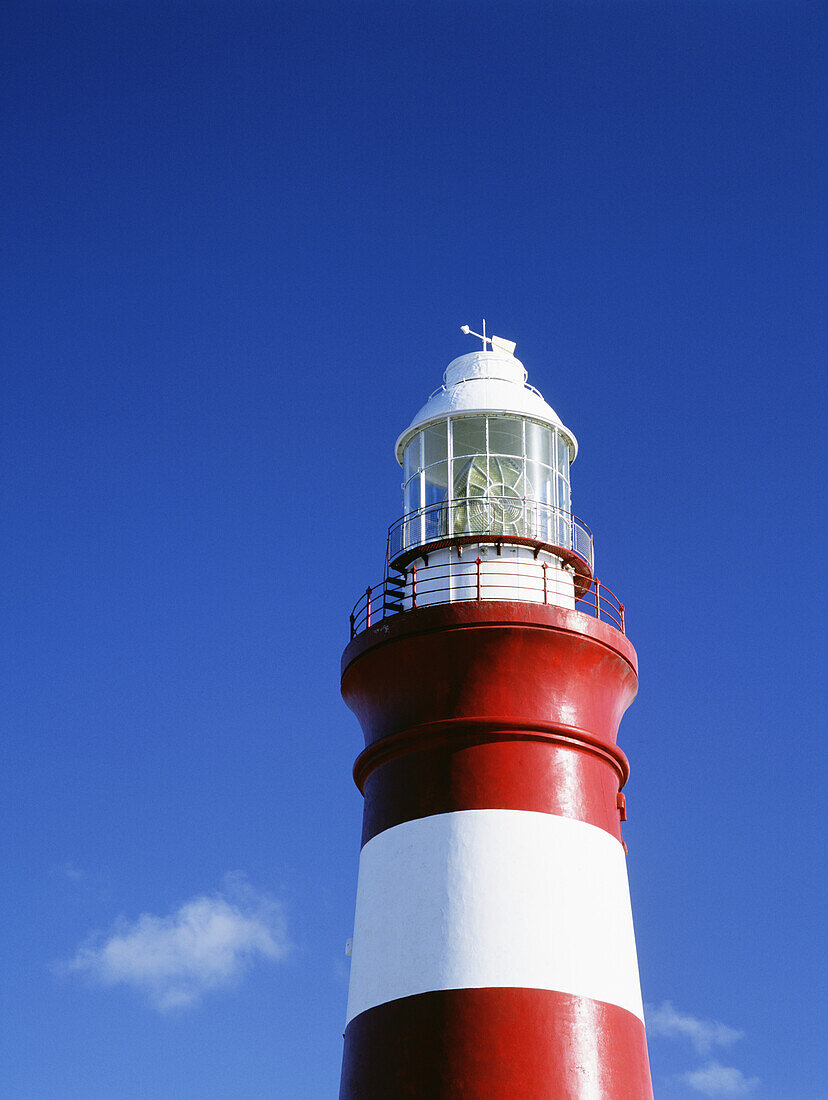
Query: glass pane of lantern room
506, 476
539, 483
469, 435
563, 493
563, 513
539, 443
412, 493
436, 482
434, 443
411, 460
505, 436
562, 454
535, 511
470, 477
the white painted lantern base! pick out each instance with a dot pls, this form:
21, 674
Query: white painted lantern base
513, 574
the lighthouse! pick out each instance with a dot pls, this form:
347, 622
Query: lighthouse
493, 954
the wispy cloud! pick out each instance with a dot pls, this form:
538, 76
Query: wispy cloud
70, 871
208, 943
711, 1079
714, 1079
664, 1020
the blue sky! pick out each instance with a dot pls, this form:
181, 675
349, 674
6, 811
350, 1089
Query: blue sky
239, 241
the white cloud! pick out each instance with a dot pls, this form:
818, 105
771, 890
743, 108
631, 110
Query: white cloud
70, 871
664, 1020
208, 943
714, 1079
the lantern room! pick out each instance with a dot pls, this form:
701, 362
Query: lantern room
487, 456
487, 500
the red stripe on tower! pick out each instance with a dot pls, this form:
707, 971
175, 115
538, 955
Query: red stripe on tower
493, 949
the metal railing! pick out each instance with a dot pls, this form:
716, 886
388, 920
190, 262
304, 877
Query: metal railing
483, 378
496, 517
520, 580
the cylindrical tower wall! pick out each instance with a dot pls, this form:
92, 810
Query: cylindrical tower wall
493, 950
483, 571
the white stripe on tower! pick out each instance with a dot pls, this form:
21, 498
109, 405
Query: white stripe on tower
493, 898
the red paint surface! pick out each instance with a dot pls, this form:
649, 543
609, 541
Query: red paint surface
470, 612
495, 1044
479, 769
490, 706
479, 660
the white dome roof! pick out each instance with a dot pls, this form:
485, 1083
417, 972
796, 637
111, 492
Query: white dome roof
485, 382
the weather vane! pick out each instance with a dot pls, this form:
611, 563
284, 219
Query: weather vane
497, 342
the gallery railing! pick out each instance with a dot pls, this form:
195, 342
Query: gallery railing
493, 517
493, 579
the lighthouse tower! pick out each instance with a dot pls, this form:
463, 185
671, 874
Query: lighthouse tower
493, 954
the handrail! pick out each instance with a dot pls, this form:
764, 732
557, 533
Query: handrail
520, 580
483, 377
496, 517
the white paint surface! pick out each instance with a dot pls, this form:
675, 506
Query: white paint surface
493, 898
514, 574
480, 382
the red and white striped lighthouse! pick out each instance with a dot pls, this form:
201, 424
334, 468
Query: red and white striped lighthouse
493, 953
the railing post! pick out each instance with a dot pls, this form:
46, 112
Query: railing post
545, 592
597, 599
352, 626
413, 585
621, 609
368, 606
478, 564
